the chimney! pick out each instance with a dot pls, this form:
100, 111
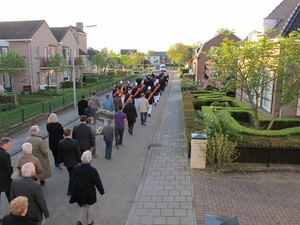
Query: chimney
80, 25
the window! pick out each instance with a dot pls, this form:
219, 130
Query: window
37, 77
36, 52
3, 51
52, 50
46, 52
214, 49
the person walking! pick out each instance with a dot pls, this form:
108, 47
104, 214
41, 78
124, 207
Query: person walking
120, 124
143, 107
117, 101
85, 178
94, 98
69, 155
131, 114
56, 133
28, 157
5, 168
150, 98
39, 150
91, 112
82, 105
91, 123
83, 135
108, 104
108, 137
18, 213
26, 186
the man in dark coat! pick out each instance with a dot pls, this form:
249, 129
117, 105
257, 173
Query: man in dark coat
131, 114
26, 186
5, 167
69, 155
83, 134
82, 105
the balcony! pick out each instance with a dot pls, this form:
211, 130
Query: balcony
47, 64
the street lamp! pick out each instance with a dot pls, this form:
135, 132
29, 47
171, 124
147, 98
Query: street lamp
73, 63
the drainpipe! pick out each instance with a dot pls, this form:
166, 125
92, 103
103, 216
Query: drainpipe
30, 64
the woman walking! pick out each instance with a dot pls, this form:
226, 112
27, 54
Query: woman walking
85, 178
56, 133
131, 114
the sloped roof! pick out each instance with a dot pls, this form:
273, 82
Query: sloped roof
19, 29
59, 32
127, 51
287, 14
81, 52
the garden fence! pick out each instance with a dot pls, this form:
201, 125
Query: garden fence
19, 115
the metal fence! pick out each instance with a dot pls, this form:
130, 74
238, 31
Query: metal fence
19, 115
268, 154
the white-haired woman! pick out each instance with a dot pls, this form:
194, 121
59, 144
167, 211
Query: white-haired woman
39, 150
85, 179
56, 133
28, 157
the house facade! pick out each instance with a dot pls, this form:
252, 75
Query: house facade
284, 19
157, 58
36, 42
200, 61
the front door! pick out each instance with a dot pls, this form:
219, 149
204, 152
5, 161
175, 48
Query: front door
7, 83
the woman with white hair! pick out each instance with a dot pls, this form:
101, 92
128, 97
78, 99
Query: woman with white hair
28, 157
85, 178
56, 133
39, 150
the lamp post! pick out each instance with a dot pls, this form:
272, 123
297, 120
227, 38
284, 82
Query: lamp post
73, 64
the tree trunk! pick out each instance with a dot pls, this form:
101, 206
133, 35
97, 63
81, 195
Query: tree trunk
275, 115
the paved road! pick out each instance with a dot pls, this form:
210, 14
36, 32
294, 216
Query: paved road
149, 166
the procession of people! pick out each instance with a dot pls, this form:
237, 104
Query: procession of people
74, 149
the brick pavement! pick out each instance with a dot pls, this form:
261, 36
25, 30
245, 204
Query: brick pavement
165, 195
253, 201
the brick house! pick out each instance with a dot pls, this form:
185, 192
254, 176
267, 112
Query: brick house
284, 19
36, 41
200, 60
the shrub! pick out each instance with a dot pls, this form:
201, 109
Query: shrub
220, 151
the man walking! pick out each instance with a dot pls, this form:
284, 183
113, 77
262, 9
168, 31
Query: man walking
82, 105
108, 137
143, 107
96, 101
117, 101
69, 155
39, 150
108, 104
83, 134
120, 120
26, 186
5, 168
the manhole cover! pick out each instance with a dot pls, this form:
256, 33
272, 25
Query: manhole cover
155, 145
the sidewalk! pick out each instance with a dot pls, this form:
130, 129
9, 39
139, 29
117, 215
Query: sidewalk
165, 194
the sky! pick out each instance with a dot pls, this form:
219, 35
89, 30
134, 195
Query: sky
145, 25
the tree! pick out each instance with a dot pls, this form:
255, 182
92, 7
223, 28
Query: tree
126, 60
137, 58
253, 68
149, 53
12, 63
179, 53
58, 63
98, 61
